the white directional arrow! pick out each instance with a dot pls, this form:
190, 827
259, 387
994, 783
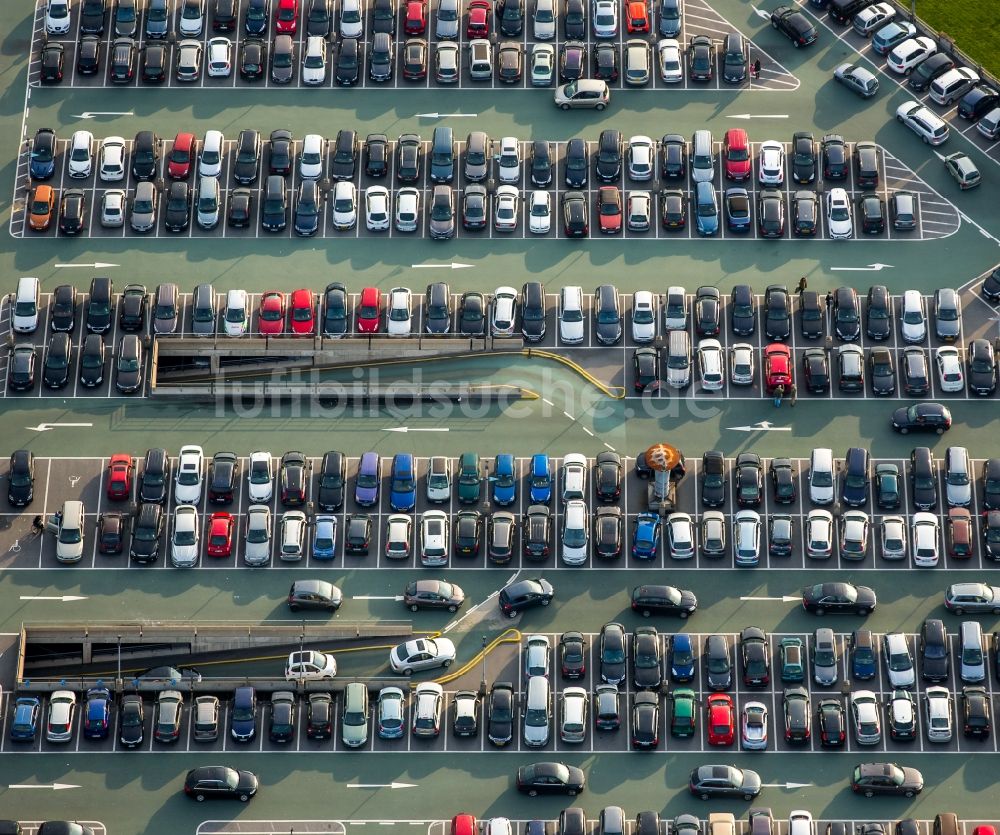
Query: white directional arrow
397, 597
745, 116
65, 598
381, 785
871, 268
785, 785
97, 265
762, 14
760, 426
447, 115
90, 114
45, 427
405, 429
786, 598
54, 786
454, 265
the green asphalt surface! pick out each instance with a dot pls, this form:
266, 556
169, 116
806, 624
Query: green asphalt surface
143, 796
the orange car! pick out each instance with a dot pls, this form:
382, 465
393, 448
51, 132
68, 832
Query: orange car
638, 17
42, 204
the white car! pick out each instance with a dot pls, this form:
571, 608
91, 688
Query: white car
260, 476
643, 317
923, 121
257, 539
902, 715
81, 157
439, 479
838, 214
309, 665
746, 538
220, 57
949, 367
574, 477
898, 661
314, 61
753, 726
421, 654
680, 536
398, 535
509, 160
62, 710
184, 539
938, 703
434, 532
352, 23
874, 17
540, 212
713, 533
292, 536
407, 209
893, 538
668, 51
345, 205
741, 364
913, 321
909, 53
924, 539
210, 159
639, 211
113, 208
236, 316
571, 318
544, 20
506, 209
57, 18
800, 822
605, 19
537, 655
503, 312
711, 365
192, 17
428, 699
112, 166
312, 156
575, 530
854, 535
771, 165
188, 479
399, 315
641, 156
573, 713
543, 62
377, 208
865, 717
819, 534
675, 312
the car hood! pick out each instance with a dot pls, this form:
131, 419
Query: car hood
866, 596
751, 781
688, 599
912, 778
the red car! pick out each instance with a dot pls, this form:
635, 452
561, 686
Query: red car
638, 17
302, 313
286, 20
777, 367
369, 310
609, 209
120, 477
271, 319
721, 719
416, 17
220, 534
479, 19
736, 153
182, 154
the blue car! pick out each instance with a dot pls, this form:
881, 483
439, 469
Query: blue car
369, 473
97, 717
504, 481
24, 728
681, 658
706, 209
646, 536
402, 483
243, 722
43, 154
324, 537
541, 479
863, 663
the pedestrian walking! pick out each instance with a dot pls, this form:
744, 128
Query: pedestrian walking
779, 392
756, 69
803, 283
37, 525
793, 395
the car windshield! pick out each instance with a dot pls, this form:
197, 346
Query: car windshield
128, 363
282, 59
839, 213
824, 657
184, 538
899, 662
575, 537
607, 317
718, 665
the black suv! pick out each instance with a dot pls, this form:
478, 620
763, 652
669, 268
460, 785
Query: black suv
222, 477
345, 155
541, 163
155, 476
923, 479
145, 545
834, 157
535, 531
145, 155
437, 308
934, 656
846, 314
332, 477
532, 311
878, 313
609, 155
246, 167
713, 479
866, 164
21, 478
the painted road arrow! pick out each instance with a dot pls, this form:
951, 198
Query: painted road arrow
45, 427
760, 426
90, 114
405, 429
97, 265
756, 116
381, 785
787, 598
762, 14
452, 266
54, 786
65, 598
871, 268
446, 115
785, 785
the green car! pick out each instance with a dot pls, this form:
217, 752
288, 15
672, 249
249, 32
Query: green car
792, 665
684, 719
468, 478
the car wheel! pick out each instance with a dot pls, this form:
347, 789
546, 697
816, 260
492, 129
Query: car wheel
407, 671
646, 613
199, 797
869, 793
564, 107
293, 607
904, 430
996, 611
795, 44
704, 795
748, 797
533, 793
682, 614
926, 142
899, 119
546, 601
820, 612
452, 609
940, 430
599, 107
908, 794
959, 611
512, 615
863, 611
244, 798
774, 24
571, 792
446, 664
414, 607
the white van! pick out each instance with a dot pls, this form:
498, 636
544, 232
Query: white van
821, 480
69, 540
26, 302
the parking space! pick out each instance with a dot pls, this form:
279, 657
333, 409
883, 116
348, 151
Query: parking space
58, 480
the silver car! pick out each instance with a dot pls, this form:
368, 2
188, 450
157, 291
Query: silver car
113, 208
439, 479
637, 62
184, 547
446, 21
825, 658
893, 538
865, 717
573, 712
144, 206
257, 545
407, 209
188, 60
898, 660
428, 700
937, 701
583, 93
713, 533
741, 364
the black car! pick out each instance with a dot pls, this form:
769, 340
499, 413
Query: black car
608, 162
21, 368
979, 101
922, 417
923, 479
991, 484
710, 781
916, 375
128, 365
437, 309
292, 479
777, 313
576, 163
132, 311
834, 153
121, 67
550, 778
62, 313
279, 158
646, 369
111, 532
72, 211
376, 155
130, 720
991, 538
707, 311
92, 14
608, 523
332, 478
541, 163
572, 655
475, 211
216, 782
607, 315
647, 673
347, 70
831, 722
282, 59
155, 476
838, 598
935, 659
887, 487
575, 20
846, 314
812, 314
21, 478
239, 214
384, 16
468, 533
878, 313
701, 58
673, 209
663, 600
43, 154
525, 594
673, 157
870, 779
645, 721
319, 19
88, 55
608, 479
500, 713
274, 204
145, 155
253, 59
612, 655
155, 63
929, 69
755, 657
982, 367
53, 59
223, 474
713, 479
743, 316
144, 546
224, 15
408, 158
718, 662
55, 368
805, 211
345, 155
882, 371
976, 712
178, 214
871, 210
471, 314
866, 164
991, 284
246, 165
816, 370
793, 25
803, 157
749, 480
535, 526
606, 62
510, 17
797, 708
770, 213
783, 480
357, 534
255, 18
306, 214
